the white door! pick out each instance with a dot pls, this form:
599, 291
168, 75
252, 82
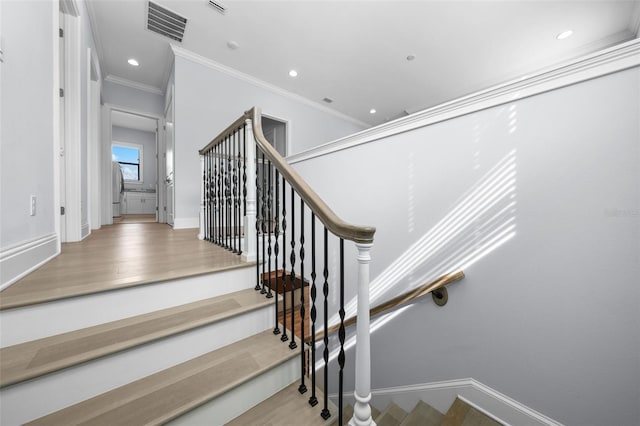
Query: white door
169, 135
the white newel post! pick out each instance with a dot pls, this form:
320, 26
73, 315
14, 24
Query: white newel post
202, 171
362, 409
249, 252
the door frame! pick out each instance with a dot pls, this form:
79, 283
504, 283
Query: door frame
107, 190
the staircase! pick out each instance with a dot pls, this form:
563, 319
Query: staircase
203, 362
459, 414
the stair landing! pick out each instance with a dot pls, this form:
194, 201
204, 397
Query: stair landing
119, 256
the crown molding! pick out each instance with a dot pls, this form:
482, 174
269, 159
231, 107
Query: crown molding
194, 57
617, 58
134, 84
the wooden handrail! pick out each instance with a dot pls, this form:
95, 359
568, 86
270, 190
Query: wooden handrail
358, 234
399, 300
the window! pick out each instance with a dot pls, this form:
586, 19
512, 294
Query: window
129, 155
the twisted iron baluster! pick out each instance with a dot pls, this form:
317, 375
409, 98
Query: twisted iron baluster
302, 388
292, 259
276, 248
269, 222
325, 290
341, 332
313, 400
259, 285
264, 227
229, 179
283, 276
238, 203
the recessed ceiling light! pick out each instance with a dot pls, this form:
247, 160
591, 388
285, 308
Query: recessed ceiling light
372, 111
133, 62
293, 73
564, 34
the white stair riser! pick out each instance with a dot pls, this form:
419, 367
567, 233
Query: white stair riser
47, 319
230, 405
35, 398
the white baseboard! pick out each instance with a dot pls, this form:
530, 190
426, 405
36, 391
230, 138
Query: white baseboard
186, 222
440, 395
21, 259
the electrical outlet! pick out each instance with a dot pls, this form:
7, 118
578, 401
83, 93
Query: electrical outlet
33, 205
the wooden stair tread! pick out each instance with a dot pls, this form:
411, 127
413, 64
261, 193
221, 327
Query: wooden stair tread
287, 407
462, 414
423, 415
38, 357
391, 416
169, 393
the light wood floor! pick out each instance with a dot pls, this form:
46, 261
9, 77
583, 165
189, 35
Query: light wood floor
119, 256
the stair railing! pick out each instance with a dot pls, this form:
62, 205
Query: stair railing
254, 204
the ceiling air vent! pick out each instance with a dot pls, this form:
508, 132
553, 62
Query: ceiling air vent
165, 22
218, 6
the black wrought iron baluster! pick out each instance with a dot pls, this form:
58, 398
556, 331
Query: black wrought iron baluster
225, 194
292, 259
341, 332
276, 247
229, 178
238, 203
220, 193
244, 170
269, 225
302, 388
283, 273
264, 227
210, 194
205, 198
258, 218
313, 400
214, 183
325, 354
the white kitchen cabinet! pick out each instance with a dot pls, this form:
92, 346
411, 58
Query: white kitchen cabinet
139, 203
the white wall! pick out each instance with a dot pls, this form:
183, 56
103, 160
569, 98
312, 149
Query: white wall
29, 91
132, 98
550, 314
148, 142
207, 101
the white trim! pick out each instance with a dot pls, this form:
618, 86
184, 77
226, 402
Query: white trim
134, 84
21, 259
186, 222
194, 57
607, 61
73, 130
441, 395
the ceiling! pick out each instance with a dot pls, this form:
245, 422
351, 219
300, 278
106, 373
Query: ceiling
355, 52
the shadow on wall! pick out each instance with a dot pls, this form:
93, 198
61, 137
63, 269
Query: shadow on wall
483, 219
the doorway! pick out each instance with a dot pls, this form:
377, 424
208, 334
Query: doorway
134, 167
276, 132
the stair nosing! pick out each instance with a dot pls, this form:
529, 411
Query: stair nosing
124, 345
6, 302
